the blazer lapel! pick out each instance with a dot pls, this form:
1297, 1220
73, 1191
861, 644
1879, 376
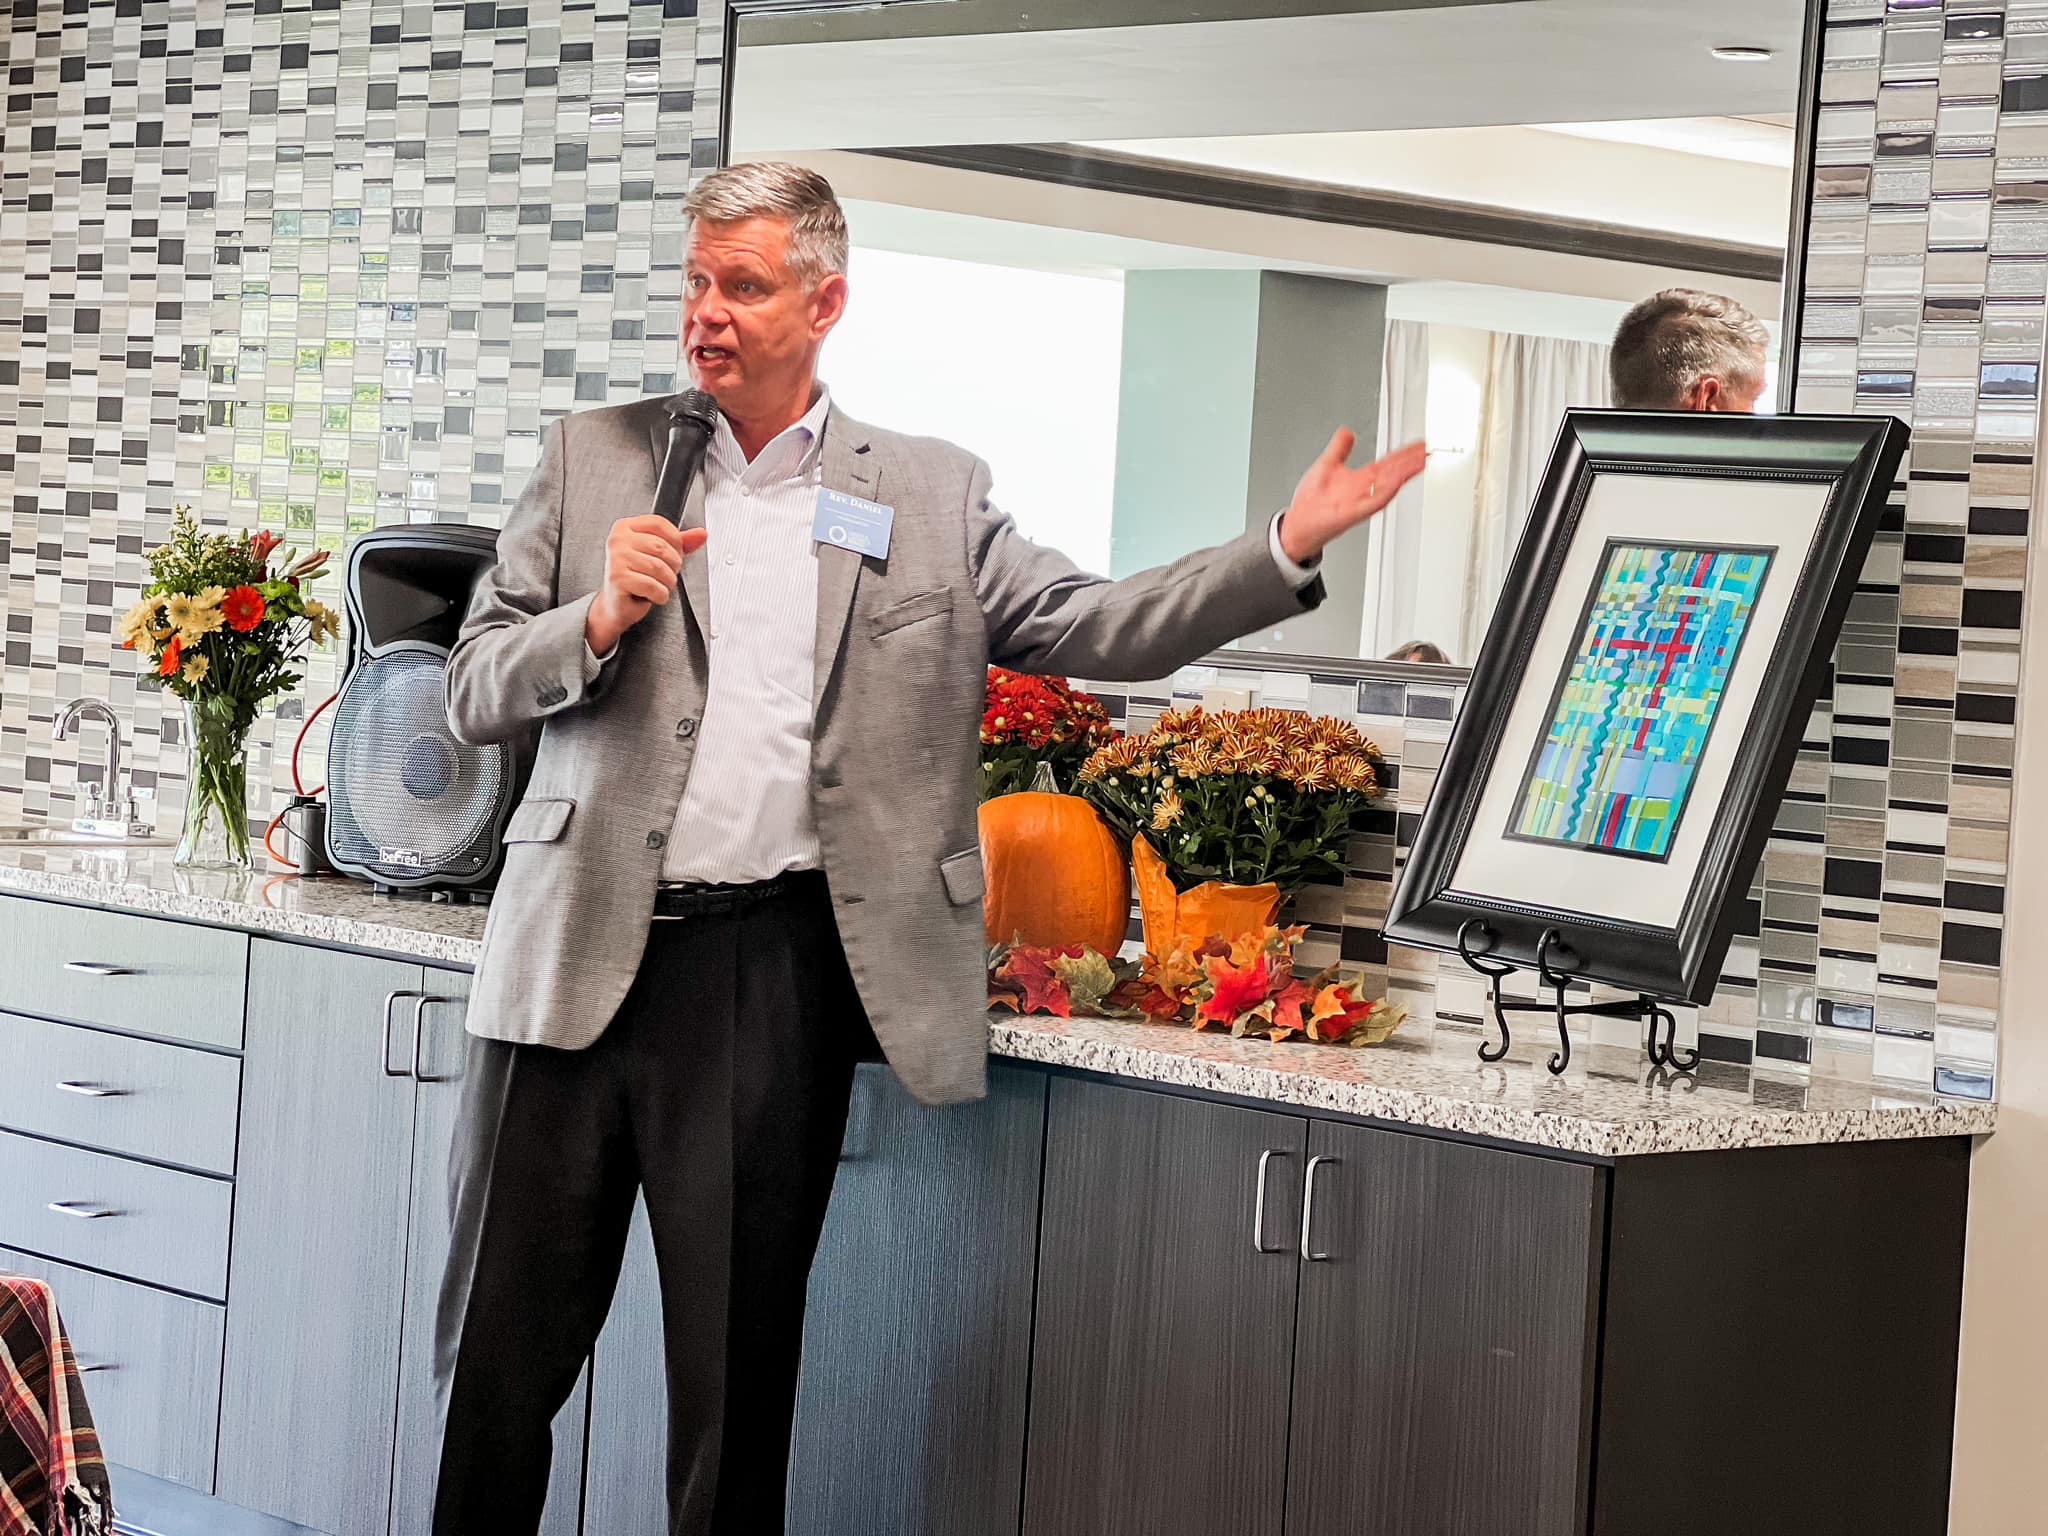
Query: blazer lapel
849, 465
695, 587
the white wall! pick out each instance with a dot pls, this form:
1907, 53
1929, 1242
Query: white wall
1017, 365
2002, 1405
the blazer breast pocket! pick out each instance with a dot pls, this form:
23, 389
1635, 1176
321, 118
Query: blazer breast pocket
538, 821
926, 605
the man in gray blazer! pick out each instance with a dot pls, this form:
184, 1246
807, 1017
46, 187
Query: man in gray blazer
749, 838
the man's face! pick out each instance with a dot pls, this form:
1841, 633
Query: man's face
751, 331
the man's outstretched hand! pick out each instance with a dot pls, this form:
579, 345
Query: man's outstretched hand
1333, 497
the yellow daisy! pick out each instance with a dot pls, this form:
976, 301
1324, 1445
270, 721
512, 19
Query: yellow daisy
195, 669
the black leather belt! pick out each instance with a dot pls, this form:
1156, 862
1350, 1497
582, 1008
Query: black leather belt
697, 899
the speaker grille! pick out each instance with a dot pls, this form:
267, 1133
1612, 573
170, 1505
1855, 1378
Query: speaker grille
405, 796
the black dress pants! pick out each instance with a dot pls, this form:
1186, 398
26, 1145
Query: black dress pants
720, 1089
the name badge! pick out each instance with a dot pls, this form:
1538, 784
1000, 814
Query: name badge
849, 522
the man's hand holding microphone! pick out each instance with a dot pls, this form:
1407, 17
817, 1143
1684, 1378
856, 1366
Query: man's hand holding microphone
643, 557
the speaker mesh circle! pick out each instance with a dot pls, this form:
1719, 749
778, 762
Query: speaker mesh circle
398, 778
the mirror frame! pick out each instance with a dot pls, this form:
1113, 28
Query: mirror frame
1791, 282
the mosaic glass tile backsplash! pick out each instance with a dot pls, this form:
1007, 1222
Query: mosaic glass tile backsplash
316, 266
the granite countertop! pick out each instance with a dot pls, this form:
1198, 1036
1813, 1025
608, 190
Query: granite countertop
1611, 1103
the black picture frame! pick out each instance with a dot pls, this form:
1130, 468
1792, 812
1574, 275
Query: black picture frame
1858, 457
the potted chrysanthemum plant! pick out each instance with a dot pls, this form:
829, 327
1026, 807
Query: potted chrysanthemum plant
1230, 813
226, 633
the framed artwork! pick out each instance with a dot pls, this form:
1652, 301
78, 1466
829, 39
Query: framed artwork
1636, 710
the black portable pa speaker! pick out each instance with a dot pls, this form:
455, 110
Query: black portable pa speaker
408, 806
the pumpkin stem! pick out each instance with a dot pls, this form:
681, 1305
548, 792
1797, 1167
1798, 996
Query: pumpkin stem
1042, 781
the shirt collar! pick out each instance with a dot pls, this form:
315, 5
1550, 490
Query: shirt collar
792, 450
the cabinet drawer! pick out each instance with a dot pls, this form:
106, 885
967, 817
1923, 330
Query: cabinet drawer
152, 1368
168, 1102
108, 1213
139, 973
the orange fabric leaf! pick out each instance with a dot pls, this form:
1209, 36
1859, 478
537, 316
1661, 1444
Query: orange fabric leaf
1236, 989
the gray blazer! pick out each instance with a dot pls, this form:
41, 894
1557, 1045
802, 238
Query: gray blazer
902, 644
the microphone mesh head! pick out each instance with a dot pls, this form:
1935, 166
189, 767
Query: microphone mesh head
695, 405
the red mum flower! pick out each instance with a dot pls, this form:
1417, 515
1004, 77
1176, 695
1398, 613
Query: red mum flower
169, 664
242, 608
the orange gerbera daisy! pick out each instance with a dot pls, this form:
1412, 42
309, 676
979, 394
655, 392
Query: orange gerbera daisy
242, 608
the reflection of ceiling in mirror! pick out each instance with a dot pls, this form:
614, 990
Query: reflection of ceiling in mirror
1534, 61
975, 216
1690, 176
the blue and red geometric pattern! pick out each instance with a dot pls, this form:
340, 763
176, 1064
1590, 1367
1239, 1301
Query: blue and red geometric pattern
1631, 715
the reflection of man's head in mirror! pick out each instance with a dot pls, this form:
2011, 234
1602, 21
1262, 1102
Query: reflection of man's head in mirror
1684, 350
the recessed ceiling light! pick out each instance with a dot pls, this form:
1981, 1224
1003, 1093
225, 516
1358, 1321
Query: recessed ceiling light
1742, 53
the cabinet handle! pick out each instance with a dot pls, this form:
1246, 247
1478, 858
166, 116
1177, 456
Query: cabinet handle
84, 1210
1308, 1208
87, 1367
98, 968
1259, 1205
391, 1001
419, 1013
91, 1090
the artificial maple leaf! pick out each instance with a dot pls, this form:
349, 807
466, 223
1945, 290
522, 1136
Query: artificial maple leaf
1031, 969
1335, 1010
1234, 990
1268, 941
1088, 978
1179, 971
1160, 1005
1287, 1005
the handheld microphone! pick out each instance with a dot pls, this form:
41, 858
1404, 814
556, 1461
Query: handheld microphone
693, 417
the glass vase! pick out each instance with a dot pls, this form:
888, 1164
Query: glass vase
216, 831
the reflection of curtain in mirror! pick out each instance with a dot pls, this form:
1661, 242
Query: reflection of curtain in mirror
1395, 553
1531, 381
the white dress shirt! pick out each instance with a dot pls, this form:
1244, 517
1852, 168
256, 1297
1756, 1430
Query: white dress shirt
746, 808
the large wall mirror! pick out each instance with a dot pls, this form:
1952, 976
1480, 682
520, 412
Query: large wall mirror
1145, 263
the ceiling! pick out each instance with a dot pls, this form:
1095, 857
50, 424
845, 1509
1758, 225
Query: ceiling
1516, 63
1706, 177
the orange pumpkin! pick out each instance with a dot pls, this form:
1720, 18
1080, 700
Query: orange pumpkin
1055, 874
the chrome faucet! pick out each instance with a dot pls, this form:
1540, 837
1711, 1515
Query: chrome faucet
112, 812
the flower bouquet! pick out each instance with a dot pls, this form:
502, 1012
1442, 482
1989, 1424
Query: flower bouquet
1029, 721
1230, 812
225, 633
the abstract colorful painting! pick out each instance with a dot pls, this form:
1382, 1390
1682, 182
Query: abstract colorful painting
1630, 718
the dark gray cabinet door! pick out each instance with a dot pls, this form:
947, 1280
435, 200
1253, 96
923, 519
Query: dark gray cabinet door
910, 1410
1160, 1367
442, 1048
1442, 1363
625, 1488
316, 1280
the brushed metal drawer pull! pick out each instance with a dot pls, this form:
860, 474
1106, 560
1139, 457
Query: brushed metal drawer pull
99, 968
419, 1013
391, 1002
84, 1210
91, 1090
1308, 1207
1259, 1244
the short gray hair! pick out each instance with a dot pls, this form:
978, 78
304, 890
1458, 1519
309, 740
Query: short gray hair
775, 189
1673, 339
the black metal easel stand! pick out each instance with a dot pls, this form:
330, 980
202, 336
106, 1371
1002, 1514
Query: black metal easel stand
1663, 1044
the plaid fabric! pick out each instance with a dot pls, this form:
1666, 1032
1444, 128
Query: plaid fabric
53, 1481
